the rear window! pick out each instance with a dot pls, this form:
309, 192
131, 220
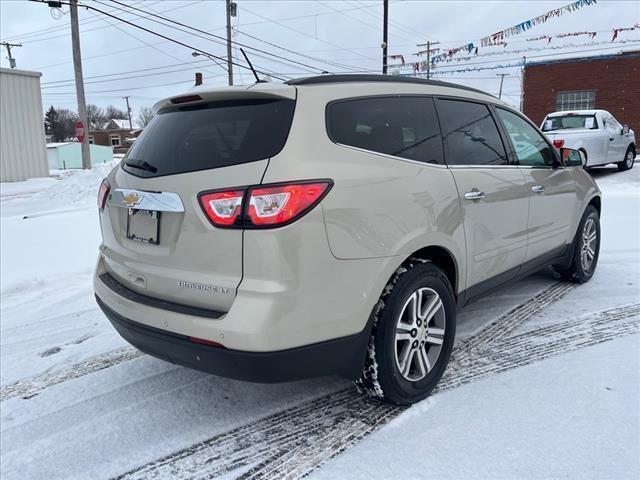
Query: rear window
405, 127
214, 135
570, 121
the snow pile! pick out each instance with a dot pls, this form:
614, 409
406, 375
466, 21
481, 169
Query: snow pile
75, 188
11, 190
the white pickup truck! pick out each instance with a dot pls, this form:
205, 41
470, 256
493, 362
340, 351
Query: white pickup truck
596, 133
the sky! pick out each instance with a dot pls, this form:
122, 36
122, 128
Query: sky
309, 36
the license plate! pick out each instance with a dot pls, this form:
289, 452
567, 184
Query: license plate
143, 226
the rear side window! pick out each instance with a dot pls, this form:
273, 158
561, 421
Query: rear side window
471, 134
214, 135
570, 121
405, 127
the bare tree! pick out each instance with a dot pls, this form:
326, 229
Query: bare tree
114, 112
145, 115
95, 116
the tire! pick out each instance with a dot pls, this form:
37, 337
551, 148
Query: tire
629, 158
583, 265
405, 369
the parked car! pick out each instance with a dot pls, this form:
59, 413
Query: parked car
331, 225
596, 133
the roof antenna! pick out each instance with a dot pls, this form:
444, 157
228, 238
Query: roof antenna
252, 69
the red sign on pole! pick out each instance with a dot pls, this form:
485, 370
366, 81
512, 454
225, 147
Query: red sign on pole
80, 132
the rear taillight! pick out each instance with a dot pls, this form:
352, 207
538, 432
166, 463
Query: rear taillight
263, 206
102, 193
558, 143
224, 207
283, 204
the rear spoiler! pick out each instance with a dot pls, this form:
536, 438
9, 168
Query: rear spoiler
199, 94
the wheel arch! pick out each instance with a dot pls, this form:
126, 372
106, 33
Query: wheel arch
443, 258
596, 201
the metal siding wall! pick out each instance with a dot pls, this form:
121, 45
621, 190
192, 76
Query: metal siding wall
22, 143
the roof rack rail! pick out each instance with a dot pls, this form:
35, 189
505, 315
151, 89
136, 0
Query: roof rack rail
355, 77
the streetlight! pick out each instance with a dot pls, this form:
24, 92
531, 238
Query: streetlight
198, 54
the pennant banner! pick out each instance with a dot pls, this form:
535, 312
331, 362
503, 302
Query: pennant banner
533, 49
498, 38
628, 29
561, 35
524, 26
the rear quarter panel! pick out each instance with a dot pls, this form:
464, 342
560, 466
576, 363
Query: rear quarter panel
380, 206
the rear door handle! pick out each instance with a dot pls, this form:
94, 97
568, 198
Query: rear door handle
474, 195
537, 189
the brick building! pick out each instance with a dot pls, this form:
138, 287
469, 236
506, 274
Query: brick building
608, 82
116, 133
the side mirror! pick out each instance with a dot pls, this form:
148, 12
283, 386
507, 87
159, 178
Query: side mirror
573, 158
625, 129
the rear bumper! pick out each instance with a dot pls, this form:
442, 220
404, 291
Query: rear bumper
343, 356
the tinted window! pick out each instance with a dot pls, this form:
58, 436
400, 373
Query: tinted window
531, 149
471, 134
406, 127
215, 135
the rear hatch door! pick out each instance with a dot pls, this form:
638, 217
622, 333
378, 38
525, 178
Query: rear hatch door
157, 239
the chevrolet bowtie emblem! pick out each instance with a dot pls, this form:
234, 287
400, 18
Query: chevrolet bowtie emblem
131, 199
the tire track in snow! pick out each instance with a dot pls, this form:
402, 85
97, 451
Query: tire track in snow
512, 319
541, 343
293, 443
494, 358
30, 387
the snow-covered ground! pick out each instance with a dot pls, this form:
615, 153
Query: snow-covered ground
544, 381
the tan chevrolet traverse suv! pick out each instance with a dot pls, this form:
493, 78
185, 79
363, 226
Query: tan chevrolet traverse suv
332, 225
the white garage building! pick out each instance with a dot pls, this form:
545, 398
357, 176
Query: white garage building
22, 142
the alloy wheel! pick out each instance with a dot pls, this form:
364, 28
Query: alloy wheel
589, 244
629, 159
419, 334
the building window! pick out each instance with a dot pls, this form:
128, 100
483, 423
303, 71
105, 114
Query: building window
115, 140
91, 139
578, 100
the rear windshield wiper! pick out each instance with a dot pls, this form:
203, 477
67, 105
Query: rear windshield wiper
142, 165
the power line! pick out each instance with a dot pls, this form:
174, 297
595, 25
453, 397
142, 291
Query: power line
178, 70
148, 44
328, 62
159, 34
368, 9
298, 17
222, 40
277, 22
51, 29
64, 28
145, 87
374, 27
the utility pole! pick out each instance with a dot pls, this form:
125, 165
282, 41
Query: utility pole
524, 70
128, 111
501, 75
429, 50
77, 67
385, 34
231, 12
9, 46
